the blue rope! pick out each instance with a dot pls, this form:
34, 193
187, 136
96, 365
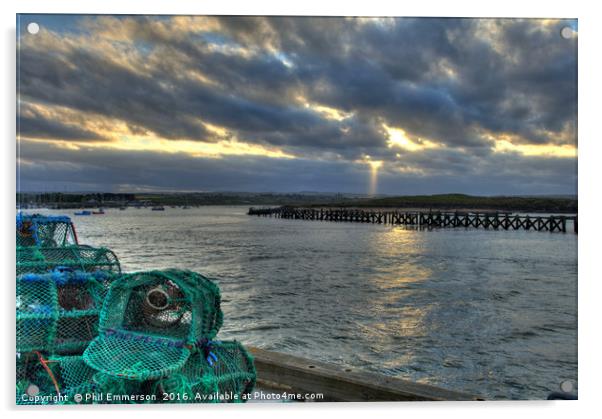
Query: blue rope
63, 275
41, 219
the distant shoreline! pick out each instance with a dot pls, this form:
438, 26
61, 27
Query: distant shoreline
446, 202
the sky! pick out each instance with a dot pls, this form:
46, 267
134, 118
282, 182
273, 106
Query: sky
289, 104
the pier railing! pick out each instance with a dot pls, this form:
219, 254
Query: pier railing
427, 219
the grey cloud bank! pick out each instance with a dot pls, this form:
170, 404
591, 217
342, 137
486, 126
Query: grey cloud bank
457, 83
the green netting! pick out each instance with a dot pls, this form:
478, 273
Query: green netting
225, 377
155, 339
75, 379
40, 260
229, 377
152, 321
118, 387
135, 357
73, 373
59, 312
44, 231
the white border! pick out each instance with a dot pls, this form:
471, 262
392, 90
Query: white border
589, 193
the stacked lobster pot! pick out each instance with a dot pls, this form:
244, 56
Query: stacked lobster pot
61, 285
89, 334
49, 243
45, 231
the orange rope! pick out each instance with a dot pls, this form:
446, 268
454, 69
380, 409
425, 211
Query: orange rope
44, 363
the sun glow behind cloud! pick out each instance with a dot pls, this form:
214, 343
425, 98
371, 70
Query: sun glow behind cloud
118, 135
509, 143
326, 112
398, 137
218, 149
547, 150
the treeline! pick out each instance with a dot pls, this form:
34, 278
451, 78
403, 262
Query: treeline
230, 198
460, 201
108, 200
436, 202
69, 199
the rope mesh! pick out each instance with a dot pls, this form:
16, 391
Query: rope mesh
59, 312
171, 303
44, 231
152, 321
74, 373
83, 258
135, 358
226, 380
230, 375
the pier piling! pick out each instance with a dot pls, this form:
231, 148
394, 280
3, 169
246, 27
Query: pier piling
423, 219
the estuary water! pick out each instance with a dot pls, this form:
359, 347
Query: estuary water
492, 313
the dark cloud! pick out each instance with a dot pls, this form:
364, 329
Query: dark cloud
453, 81
520, 80
39, 127
83, 81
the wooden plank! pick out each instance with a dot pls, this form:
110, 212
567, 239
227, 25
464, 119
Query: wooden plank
342, 384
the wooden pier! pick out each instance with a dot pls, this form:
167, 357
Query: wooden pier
425, 219
280, 372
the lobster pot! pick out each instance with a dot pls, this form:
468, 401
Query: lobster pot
172, 304
41, 260
152, 321
45, 231
58, 313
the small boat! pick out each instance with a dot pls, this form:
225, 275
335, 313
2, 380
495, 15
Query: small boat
122, 208
83, 213
99, 212
159, 208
